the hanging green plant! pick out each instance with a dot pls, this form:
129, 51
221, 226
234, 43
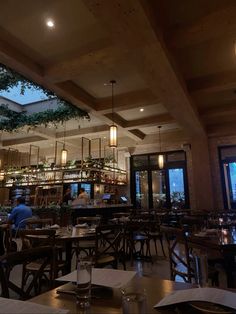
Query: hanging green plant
13, 120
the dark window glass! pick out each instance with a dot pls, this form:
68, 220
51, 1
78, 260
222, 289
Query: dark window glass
177, 156
140, 161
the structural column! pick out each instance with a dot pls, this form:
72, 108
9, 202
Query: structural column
202, 180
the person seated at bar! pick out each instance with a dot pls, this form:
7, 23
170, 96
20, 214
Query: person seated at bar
19, 215
82, 199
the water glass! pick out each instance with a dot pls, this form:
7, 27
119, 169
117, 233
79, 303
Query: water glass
83, 289
134, 301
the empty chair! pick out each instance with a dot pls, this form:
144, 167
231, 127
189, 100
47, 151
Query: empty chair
137, 240
38, 223
10, 260
179, 254
93, 221
109, 246
32, 238
155, 235
6, 243
180, 257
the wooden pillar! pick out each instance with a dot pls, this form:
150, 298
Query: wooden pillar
202, 180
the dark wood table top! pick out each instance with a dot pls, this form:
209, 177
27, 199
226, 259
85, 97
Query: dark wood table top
215, 239
156, 289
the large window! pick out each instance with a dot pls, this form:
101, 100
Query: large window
227, 159
159, 188
177, 190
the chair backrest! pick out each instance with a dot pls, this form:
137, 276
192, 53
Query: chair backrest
34, 238
93, 220
5, 239
38, 223
8, 261
108, 244
194, 223
179, 253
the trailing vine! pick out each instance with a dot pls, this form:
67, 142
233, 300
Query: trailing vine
13, 120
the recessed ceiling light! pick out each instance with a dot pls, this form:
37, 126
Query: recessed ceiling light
50, 23
104, 137
141, 109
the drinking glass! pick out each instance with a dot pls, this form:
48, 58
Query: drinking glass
83, 290
134, 300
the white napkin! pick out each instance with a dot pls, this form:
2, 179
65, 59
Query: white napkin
81, 225
55, 226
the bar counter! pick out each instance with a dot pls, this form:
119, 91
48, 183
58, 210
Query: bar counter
106, 211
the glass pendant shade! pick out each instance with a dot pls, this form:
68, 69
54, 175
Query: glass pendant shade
161, 161
113, 136
64, 153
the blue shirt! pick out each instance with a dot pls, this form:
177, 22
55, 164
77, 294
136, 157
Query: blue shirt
19, 215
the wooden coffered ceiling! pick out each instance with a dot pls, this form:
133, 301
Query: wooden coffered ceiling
176, 60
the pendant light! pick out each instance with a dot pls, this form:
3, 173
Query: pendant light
64, 151
113, 128
160, 156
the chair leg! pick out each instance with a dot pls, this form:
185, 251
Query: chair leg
155, 243
162, 247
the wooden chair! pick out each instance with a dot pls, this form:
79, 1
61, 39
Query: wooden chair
38, 223
179, 254
108, 246
137, 240
88, 245
90, 221
8, 261
32, 238
6, 243
155, 235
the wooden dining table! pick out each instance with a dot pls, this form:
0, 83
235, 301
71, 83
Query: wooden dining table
222, 241
65, 237
155, 288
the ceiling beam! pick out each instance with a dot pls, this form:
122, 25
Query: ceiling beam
77, 93
221, 129
160, 119
214, 25
20, 141
138, 133
218, 111
72, 68
149, 55
82, 132
131, 100
213, 82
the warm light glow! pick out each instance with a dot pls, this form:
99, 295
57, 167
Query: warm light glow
141, 109
161, 161
113, 136
1, 175
64, 153
50, 23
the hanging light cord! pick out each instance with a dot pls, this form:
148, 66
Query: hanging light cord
160, 137
112, 82
64, 136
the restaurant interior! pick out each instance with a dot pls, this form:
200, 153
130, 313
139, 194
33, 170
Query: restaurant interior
117, 132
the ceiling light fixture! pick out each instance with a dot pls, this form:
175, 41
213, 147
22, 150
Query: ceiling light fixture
113, 128
64, 151
160, 156
141, 109
50, 23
